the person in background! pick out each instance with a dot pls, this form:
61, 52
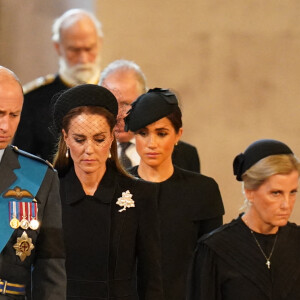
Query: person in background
255, 256
77, 38
32, 259
127, 81
110, 219
189, 203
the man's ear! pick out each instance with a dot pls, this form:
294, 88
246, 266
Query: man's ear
100, 44
57, 48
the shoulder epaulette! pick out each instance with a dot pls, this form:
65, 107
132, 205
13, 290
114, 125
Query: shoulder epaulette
38, 82
24, 153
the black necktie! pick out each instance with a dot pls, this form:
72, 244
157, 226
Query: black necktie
125, 161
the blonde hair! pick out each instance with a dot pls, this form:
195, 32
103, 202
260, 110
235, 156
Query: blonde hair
254, 177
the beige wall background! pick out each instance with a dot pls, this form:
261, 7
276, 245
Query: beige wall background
234, 64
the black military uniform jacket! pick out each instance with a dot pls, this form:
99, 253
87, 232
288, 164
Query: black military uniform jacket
46, 262
185, 156
104, 243
33, 133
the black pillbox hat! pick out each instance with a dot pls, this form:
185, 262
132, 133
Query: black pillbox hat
148, 108
255, 152
82, 95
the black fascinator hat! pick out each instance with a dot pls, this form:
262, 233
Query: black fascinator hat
82, 95
148, 108
255, 152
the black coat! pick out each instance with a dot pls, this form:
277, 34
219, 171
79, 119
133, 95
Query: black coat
46, 264
104, 244
190, 205
185, 156
33, 134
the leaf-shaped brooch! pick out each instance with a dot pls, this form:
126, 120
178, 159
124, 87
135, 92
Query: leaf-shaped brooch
125, 201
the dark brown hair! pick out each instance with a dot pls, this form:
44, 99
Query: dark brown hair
63, 163
176, 118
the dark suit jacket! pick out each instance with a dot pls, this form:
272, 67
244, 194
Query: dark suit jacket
186, 157
33, 133
47, 258
103, 244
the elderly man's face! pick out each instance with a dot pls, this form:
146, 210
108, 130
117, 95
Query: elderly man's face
126, 89
11, 101
79, 49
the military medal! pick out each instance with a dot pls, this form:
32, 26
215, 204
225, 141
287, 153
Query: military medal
14, 221
23, 246
34, 223
24, 215
24, 223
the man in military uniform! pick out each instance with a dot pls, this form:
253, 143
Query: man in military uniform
77, 37
127, 81
32, 263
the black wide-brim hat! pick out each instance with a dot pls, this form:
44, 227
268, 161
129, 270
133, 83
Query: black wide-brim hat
255, 152
82, 95
150, 107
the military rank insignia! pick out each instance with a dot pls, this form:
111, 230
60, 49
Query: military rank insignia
23, 246
24, 215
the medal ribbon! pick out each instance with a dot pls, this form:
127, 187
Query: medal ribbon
30, 176
33, 210
13, 210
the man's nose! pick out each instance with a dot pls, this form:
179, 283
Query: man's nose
4, 123
83, 57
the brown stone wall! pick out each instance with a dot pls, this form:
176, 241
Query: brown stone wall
234, 64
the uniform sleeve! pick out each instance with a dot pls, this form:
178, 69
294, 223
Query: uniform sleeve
149, 273
49, 277
203, 275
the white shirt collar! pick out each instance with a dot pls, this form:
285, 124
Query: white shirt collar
1, 153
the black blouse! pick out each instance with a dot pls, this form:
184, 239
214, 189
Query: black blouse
189, 205
228, 265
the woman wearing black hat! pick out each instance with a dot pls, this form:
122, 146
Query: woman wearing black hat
190, 204
256, 256
109, 218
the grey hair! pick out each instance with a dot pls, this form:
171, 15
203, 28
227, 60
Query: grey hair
123, 65
76, 13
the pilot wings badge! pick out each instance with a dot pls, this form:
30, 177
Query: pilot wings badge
18, 194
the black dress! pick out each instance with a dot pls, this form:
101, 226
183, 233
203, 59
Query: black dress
190, 205
103, 244
229, 265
